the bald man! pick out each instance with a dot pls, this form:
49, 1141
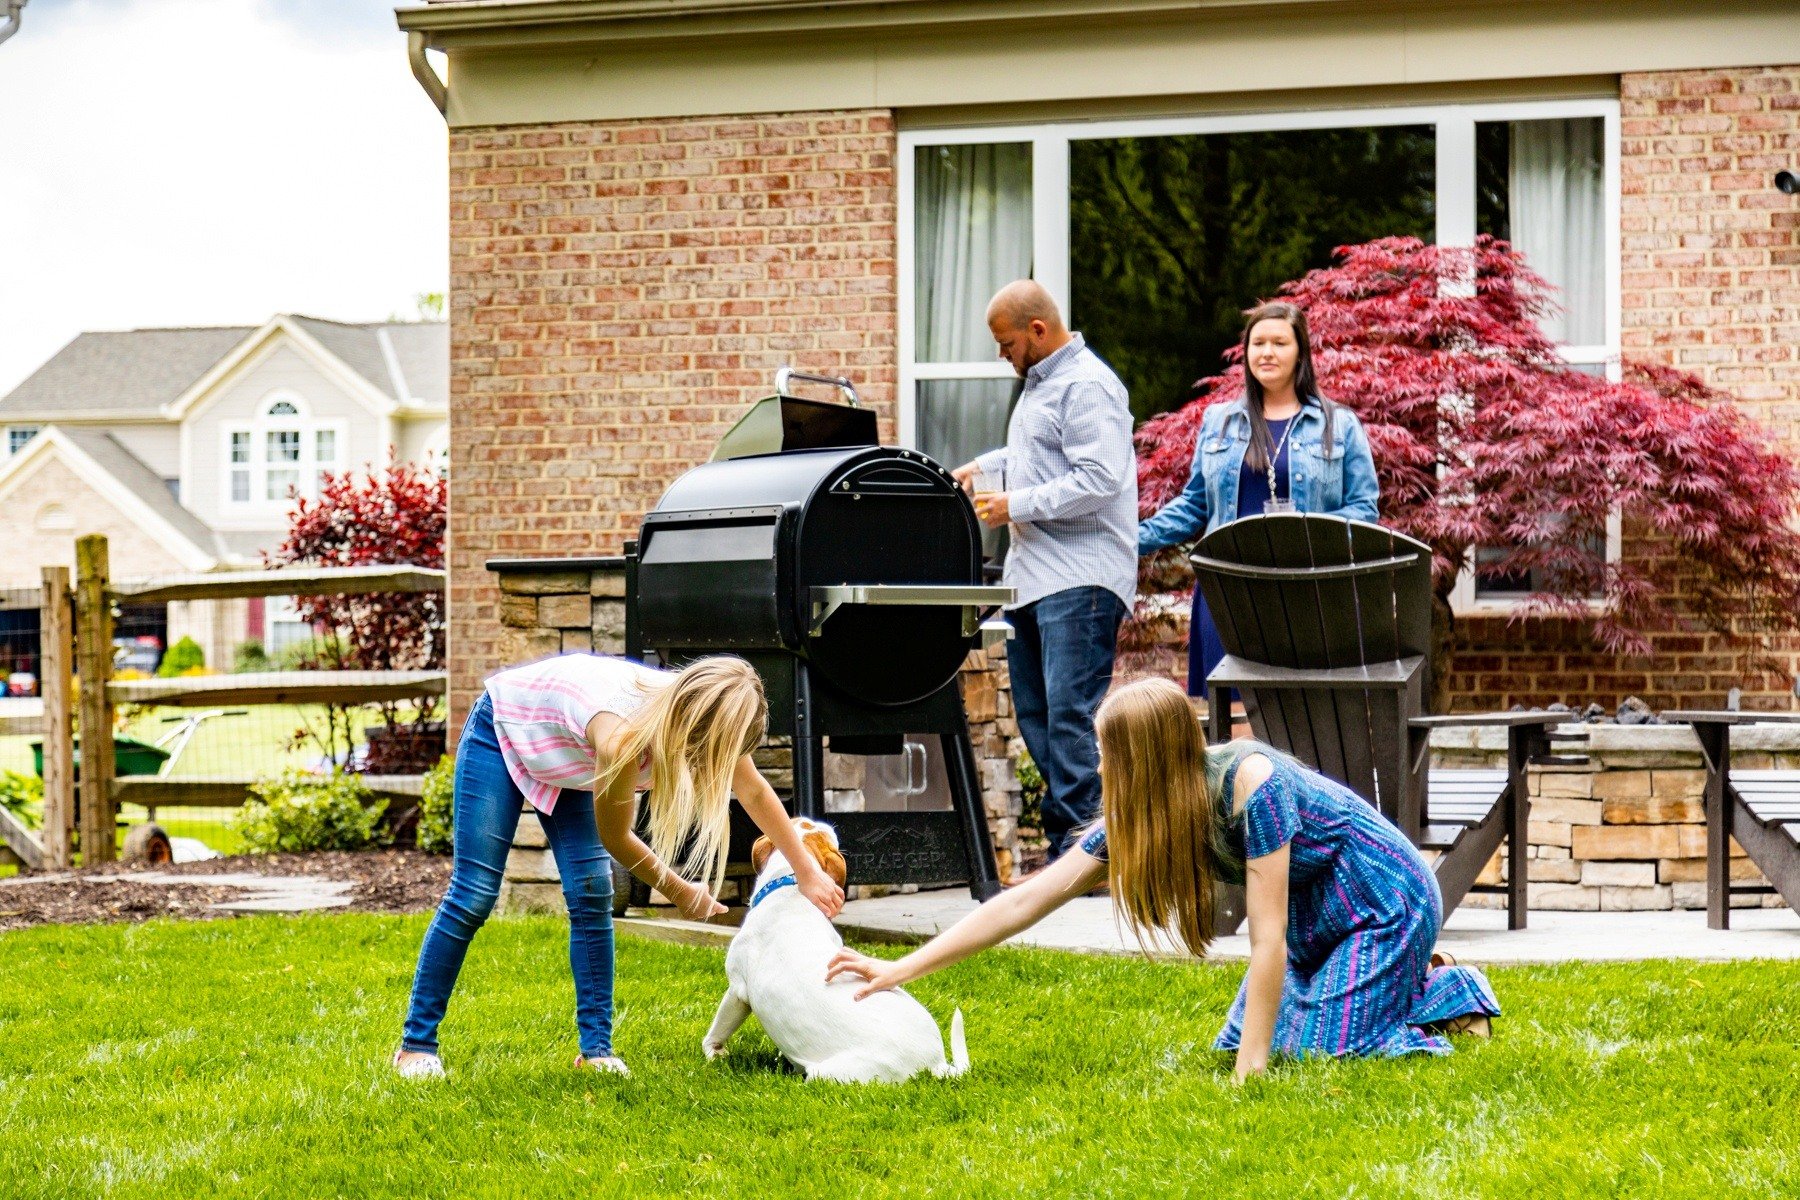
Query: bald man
1070, 498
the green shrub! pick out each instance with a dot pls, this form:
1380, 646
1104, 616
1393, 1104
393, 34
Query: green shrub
1031, 791
182, 657
22, 796
297, 811
313, 654
434, 807
248, 657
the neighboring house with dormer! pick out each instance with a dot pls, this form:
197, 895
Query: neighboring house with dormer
186, 446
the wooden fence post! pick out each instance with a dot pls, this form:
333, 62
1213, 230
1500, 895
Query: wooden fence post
93, 662
56, 685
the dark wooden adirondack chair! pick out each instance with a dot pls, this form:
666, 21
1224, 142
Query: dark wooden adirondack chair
1327, 630
1761, 809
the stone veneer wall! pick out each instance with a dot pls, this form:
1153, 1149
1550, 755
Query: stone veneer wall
564, 606
1626, 830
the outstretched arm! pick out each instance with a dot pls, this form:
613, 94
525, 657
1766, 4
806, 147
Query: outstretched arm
1266, 888
615, 811
1008, 913
1267, 900
764, 807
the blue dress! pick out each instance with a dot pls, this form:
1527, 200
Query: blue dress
1363, 915
1205, 648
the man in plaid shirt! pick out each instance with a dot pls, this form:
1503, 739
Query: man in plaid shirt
1070, 497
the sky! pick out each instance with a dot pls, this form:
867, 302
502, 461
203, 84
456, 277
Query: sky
211, 162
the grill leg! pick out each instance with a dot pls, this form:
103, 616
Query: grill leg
809, 777
809, 752
965, 790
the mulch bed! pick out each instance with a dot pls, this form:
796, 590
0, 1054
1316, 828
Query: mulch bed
387, 881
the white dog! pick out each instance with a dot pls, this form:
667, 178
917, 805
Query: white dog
776, 966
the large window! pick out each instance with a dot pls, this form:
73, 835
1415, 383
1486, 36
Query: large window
1171, 237
284, 453
18, 437
1154, 235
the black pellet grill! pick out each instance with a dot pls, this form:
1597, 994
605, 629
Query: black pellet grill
850, 577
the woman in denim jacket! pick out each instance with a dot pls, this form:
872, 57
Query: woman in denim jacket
1282, 448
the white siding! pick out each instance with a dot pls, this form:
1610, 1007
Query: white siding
159, 446
412, 437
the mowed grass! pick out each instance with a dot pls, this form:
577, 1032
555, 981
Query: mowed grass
249, 1058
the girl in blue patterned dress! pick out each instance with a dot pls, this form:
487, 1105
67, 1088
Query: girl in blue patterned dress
1343, 911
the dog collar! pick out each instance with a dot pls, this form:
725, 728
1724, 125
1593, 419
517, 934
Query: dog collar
770, 888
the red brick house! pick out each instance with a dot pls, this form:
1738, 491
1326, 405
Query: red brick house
655, 205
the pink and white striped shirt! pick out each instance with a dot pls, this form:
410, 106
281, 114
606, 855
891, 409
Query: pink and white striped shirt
541, 715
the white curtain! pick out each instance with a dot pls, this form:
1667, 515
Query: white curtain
1557, 218
972, 237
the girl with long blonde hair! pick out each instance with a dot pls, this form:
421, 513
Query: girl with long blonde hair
577, 737
1343, 910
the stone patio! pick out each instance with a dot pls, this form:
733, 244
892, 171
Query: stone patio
1473, 935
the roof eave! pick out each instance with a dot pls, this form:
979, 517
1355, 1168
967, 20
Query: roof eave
496, 23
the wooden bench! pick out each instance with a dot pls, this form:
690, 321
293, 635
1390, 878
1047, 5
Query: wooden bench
1761, 809
1327, 627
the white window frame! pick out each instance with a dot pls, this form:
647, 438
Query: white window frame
1455, 208
308, 467
31, 430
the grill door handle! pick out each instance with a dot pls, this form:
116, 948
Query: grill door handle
971, 599
843, 385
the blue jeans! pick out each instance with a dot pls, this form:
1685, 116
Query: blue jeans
485, 811
1061, 662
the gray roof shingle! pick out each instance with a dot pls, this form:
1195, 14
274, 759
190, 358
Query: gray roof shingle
144, 483
133, 371
137, 371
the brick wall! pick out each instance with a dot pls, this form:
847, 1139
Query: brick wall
619, 292
1711, 284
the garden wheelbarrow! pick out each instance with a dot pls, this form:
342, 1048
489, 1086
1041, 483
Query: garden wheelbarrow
148, 841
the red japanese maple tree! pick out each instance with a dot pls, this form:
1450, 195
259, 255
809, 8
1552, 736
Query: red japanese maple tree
1482, 437
391, 517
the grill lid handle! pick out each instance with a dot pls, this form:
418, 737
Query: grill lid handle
843, 385
827, 600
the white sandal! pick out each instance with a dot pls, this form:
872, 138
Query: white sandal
611, 1063
420, 1066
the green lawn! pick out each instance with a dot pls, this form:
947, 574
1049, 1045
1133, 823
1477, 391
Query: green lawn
248, 1058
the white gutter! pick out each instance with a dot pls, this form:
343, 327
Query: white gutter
14, 11
421, 69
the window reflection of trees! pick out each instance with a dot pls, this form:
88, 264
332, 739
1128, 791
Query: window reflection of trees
1171, 238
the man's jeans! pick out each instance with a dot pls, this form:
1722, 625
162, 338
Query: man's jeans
485, 806
1061, 661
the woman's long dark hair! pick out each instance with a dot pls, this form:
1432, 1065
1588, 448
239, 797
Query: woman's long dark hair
1306, 383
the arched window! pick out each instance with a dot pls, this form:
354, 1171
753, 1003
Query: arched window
284, 452
54, 518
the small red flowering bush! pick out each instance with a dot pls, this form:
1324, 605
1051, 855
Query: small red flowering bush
391, 517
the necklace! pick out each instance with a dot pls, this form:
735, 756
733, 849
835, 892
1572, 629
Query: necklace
1275, 504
